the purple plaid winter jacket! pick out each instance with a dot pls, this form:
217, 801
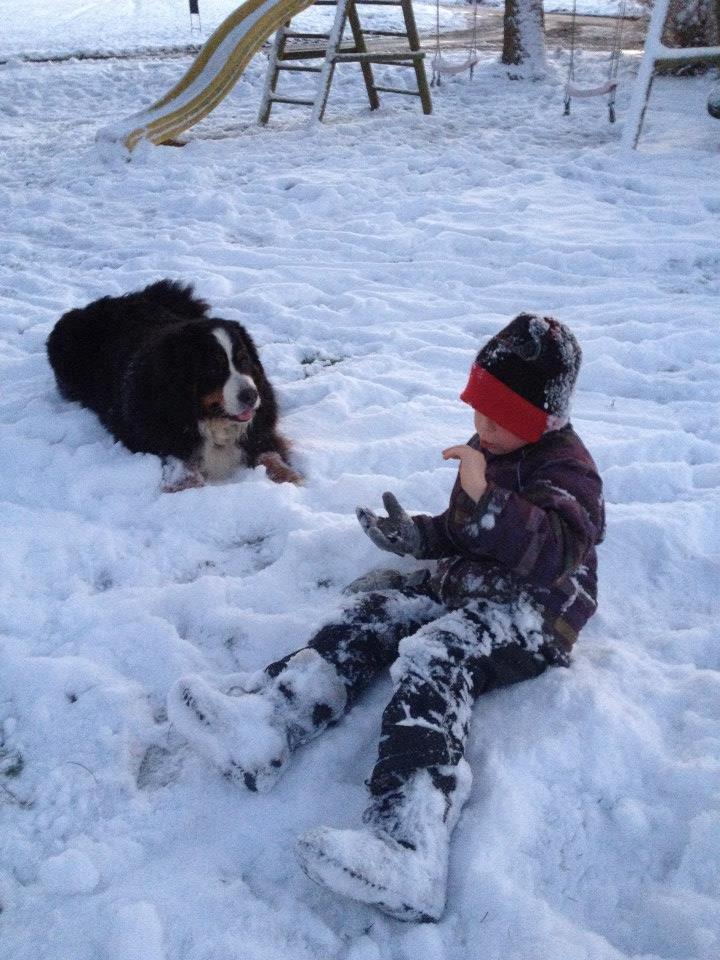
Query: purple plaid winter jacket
534, 530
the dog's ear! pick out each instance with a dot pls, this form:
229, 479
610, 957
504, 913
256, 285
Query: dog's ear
162, 395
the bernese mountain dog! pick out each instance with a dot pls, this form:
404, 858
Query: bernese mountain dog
166, 378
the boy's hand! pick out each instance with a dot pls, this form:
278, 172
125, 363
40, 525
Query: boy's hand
395, 533
472, 469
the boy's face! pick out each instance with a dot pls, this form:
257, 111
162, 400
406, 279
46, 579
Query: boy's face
494, 438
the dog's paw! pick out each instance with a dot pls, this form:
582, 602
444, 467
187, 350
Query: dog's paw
278, 471
174, 480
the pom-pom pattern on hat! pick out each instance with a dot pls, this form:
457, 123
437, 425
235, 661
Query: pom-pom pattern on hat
524, 376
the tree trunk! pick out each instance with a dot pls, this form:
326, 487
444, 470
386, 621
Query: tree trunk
691, 23
524, 37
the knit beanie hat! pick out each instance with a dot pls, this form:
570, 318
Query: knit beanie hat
524, 376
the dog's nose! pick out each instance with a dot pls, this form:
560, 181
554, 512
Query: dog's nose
247, 396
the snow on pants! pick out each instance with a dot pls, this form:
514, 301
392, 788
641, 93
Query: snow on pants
441, 659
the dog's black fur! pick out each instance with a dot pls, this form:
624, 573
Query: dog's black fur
152, 366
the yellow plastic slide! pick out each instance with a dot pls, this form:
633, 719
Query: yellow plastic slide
212, 76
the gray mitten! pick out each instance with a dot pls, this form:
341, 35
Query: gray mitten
395, 533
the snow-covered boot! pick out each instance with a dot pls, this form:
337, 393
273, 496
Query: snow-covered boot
400, 863
249, 724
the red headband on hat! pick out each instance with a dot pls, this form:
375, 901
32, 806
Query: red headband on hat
491, 397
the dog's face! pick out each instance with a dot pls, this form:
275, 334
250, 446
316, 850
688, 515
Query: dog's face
226, 377
196, 377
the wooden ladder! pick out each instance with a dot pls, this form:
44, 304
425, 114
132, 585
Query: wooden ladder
331, 49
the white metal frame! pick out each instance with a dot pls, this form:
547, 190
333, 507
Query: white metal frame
656, 50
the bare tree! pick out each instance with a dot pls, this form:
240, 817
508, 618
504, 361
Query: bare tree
524, 37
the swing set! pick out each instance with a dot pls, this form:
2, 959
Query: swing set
656, 54
442, 66
609, 87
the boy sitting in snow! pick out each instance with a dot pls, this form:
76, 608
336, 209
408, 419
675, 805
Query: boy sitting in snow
515, 582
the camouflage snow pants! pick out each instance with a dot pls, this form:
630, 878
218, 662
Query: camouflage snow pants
440, 658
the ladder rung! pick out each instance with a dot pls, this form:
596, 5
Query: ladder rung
301, 103
385, 33
297, 69
406, 93
295, 35
409, 57
318, 53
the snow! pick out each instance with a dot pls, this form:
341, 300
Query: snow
370, 257
137, 933
69, 872
42, 28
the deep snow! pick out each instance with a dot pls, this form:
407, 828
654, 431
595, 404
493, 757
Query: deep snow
369, 257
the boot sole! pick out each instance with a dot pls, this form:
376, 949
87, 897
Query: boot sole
329, 873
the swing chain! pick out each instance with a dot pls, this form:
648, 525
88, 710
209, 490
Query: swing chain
614, 62
437, 64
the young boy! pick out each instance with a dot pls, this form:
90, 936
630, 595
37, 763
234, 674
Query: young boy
515, 582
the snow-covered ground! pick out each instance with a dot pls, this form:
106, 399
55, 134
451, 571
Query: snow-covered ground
369, 257
42, 28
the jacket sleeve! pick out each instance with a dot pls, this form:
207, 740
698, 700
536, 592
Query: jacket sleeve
542, 533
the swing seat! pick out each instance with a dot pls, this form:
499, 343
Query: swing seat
442, 67
607, 89
572, 91
451, 67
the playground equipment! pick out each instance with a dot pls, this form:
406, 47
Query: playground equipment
224, 57
211, 77
608, 88
442, 66
195, 22
331, 48
656, 54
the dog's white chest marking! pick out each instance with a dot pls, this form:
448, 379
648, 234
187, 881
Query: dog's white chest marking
220, 454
